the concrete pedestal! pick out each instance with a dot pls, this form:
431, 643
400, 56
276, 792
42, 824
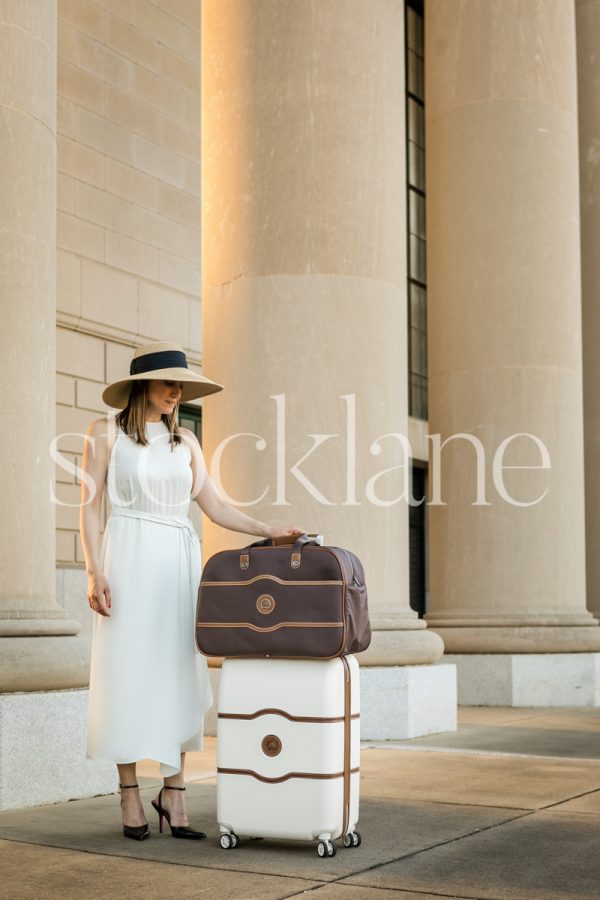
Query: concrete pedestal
399, 702
527, 679
42, 750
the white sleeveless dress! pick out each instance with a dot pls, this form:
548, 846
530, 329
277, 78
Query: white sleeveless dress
149, 685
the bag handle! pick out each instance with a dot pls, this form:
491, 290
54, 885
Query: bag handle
296, 542
282, 539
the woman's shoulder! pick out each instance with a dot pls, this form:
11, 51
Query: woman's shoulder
97, 427
193, 444
189, 434
191, 440
101, 426
103, 429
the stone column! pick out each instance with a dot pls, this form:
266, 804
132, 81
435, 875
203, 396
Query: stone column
29, 659
505, 327
588, 70
304, 282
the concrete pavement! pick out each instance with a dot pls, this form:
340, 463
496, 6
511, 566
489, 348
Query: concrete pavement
506, 808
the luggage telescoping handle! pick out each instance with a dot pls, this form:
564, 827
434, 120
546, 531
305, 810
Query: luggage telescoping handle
284, 539
287, 539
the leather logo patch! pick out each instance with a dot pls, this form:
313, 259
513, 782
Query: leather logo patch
265, 604
271, 745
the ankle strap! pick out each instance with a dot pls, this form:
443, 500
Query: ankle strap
168, 787
128, 785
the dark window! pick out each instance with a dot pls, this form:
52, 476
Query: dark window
416, 231
417, 531
191, 417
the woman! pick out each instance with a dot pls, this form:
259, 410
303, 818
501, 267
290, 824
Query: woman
149, 686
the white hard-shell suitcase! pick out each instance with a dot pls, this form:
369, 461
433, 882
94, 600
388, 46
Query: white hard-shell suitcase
288, 750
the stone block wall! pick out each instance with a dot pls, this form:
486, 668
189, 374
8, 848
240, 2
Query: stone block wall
128, 219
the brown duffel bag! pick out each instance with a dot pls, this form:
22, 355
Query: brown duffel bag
287, 597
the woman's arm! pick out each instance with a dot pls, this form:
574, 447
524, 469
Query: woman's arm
95, 465
216, 508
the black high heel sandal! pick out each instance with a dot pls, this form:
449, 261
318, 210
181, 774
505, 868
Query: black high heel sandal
178, 831
137, 832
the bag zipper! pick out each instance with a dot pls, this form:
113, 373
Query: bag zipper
354, 578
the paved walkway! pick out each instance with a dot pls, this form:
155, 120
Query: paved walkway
506, 807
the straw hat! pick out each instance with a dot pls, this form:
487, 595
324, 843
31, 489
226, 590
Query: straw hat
162, 360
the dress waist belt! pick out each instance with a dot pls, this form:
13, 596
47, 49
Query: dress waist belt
182, 522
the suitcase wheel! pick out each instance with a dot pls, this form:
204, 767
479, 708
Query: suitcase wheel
352, 839
325, 848
229, 841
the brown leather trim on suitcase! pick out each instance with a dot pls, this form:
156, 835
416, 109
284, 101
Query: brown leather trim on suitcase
319, 775
270, 627
347, 743
286, 715
268, 578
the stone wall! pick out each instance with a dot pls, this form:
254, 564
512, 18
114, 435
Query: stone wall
128, 218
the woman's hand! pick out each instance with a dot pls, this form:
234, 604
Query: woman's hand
98, 594
276, 531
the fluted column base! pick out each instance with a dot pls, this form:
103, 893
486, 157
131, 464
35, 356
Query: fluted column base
523, 638
395, 647
38, 627
48, 663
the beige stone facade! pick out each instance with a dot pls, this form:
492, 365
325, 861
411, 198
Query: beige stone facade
301, 308
128, 205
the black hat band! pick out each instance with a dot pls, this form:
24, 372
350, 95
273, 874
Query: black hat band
163, 359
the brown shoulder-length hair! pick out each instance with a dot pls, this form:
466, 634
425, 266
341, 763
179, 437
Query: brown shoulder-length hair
133, 418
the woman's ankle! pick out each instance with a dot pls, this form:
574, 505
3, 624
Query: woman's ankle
133, 811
